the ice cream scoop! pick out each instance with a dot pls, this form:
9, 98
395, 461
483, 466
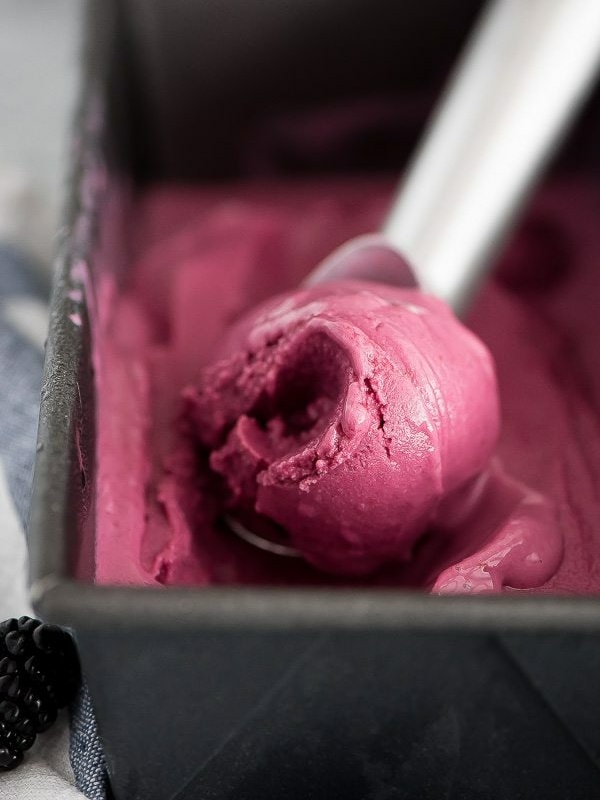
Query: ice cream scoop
466, 185
522, 78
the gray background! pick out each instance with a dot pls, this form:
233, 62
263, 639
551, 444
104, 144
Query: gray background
38, 74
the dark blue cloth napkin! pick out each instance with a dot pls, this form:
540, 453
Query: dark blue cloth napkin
23, 300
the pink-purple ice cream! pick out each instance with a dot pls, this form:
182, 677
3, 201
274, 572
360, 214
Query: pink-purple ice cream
451, 519
346, 413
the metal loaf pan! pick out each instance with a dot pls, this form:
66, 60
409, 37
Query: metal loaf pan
264, 693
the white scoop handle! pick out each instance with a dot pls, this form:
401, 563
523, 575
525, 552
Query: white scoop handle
525, 72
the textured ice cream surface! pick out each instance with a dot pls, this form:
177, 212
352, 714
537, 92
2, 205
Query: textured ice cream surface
345, 413
204, 258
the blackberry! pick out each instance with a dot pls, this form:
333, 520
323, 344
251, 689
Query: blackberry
39, 673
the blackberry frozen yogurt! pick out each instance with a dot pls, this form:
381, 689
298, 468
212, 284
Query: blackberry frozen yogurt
363, 420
